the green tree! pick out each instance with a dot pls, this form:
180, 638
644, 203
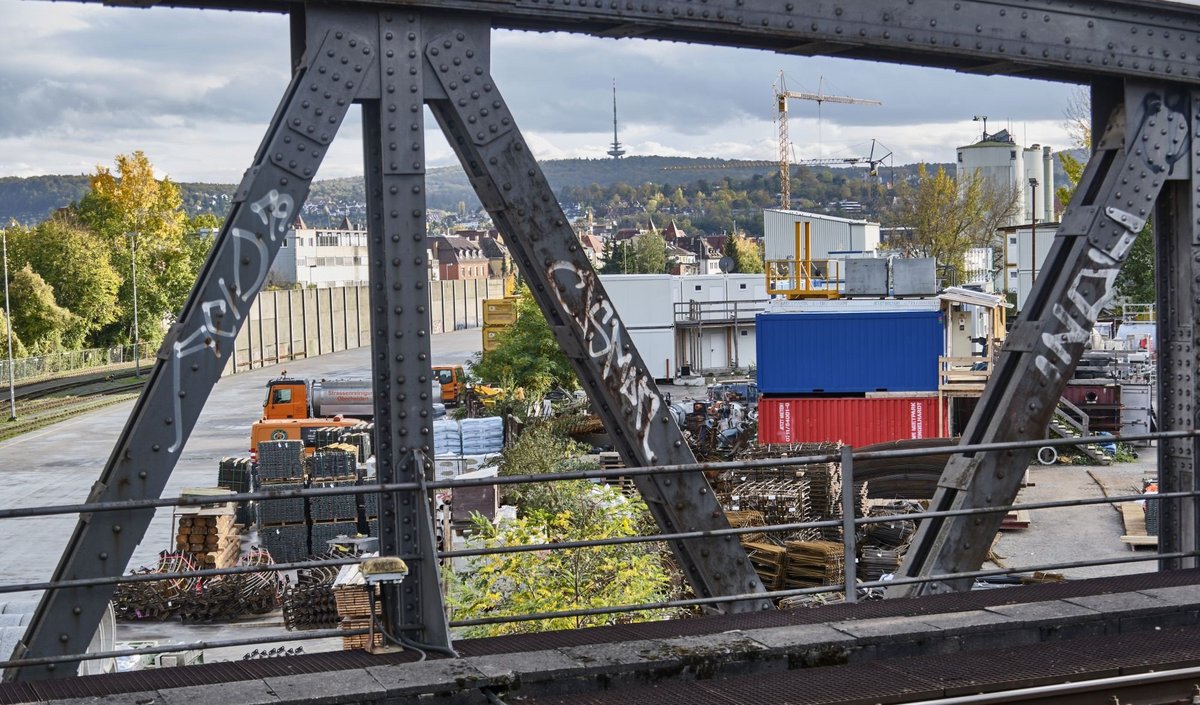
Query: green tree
200, 236
130, 206
552, 581
747, 258
947, 218
527, 354
38, 320
648, 254
77, 266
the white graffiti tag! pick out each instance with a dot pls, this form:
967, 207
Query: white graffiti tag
604, 340
219, 314
1096, 279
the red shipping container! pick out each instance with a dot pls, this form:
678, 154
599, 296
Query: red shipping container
853, 421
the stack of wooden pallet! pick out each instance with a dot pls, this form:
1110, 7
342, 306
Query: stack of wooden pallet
209, 534
610, 460
354, 607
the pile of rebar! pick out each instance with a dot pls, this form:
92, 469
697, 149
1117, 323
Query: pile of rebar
218, 598
814, 563
309, 603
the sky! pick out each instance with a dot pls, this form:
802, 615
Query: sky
195, 90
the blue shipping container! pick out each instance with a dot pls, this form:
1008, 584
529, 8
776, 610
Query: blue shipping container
849, 353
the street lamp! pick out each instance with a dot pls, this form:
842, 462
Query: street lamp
983, 118
12, 395
1033, 185
137, 334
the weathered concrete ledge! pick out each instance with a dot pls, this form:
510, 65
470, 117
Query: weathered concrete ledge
581, 669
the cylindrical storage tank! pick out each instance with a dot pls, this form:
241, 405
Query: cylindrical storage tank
849, 353
348, 397
855, 421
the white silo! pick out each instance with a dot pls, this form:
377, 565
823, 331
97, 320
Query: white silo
999, 160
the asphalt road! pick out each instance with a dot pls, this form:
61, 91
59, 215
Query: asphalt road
59, 464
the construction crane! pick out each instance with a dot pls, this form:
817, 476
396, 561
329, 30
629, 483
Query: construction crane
871, 160
782, 94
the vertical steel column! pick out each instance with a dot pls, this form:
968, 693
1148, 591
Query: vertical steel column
193, 355
849, 535
1177, 239
511, 185
393, 140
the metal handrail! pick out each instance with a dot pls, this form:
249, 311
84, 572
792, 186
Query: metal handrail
849, 586
599, 474
804, 278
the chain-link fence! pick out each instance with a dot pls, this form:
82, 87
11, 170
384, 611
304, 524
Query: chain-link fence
27, 369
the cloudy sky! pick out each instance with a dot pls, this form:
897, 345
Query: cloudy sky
195, 89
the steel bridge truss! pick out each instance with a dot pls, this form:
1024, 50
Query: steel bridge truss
394, 58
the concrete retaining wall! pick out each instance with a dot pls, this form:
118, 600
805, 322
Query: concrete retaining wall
293, 324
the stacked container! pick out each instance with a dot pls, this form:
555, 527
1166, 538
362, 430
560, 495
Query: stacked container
858, 374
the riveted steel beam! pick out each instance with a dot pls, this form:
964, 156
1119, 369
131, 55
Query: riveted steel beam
198, 348
482, 131
1053, 39
394, 150
1177, 235
1145, 143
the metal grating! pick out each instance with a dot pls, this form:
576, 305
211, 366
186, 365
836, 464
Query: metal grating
972, 671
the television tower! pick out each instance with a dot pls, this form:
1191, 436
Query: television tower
616, 152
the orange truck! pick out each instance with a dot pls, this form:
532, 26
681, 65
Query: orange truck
295, 408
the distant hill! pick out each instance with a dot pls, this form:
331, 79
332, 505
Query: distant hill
30, 199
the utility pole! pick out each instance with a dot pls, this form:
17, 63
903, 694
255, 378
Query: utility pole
1033, 185
12, 395
137, 334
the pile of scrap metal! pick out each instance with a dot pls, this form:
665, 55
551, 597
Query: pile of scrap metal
206, 599
716, 429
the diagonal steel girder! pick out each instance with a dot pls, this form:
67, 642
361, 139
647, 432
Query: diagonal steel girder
1146, 144
383, 60
496, 157
198, 347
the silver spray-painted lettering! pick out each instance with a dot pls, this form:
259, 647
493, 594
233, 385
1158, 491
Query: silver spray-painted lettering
214, 310
275, 211
604, 340
1078, 321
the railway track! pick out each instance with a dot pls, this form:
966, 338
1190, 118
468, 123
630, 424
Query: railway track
45, 402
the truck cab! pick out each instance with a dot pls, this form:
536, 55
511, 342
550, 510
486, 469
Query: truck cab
287, 398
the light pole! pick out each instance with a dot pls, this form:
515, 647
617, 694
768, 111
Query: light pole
982, 118
12, 395
137, 334
1033, 185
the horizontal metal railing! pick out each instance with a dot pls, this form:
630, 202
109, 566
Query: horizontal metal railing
850, 585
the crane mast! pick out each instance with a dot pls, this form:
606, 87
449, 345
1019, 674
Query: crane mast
782, 95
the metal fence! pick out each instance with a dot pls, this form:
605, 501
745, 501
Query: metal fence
29, 369
849, 521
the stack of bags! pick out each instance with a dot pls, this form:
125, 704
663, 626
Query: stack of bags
482, 436
447, 438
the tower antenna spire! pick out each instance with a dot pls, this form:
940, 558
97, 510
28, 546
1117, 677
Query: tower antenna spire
615, 152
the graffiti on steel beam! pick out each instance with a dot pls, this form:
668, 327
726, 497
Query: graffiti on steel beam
273, 210
606, 343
